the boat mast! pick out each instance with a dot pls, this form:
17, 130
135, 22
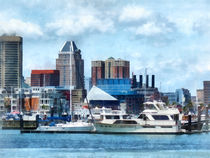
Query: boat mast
70, 83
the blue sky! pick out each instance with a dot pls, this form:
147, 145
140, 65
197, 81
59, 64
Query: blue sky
171, 38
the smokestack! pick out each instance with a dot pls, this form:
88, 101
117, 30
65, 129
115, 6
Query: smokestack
140, 81
134, 84
147, 81
153, 81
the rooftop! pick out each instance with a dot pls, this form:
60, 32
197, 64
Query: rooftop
69, 46
98, 94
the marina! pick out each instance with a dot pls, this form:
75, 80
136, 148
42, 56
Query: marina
156, 118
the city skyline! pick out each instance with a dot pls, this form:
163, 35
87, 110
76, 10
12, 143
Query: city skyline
169, 38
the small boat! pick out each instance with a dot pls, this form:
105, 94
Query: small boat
155, 119
70, 127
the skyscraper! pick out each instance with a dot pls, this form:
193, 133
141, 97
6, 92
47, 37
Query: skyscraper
71, 66
110, 69
117, 68
206, 92
10, 61
98, 71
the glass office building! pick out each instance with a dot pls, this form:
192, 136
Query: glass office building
10, 61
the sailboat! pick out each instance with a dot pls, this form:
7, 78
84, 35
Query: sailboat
78, 126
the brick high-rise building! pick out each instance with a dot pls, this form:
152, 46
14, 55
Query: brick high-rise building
117, 68
110, 69
42, 78
11, 61
98, 71
71, 66
206, 92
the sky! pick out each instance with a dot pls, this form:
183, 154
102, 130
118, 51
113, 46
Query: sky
171, 38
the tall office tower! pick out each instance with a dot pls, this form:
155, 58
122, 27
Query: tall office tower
97, 71
71, 66
43, 78
117, 68
206, 92
11, 61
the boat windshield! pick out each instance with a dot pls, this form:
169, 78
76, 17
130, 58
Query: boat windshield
126, 117
112, 117
160, 117
160, 106
125, 122
149, 106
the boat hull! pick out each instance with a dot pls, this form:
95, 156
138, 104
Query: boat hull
72, 127
136, 129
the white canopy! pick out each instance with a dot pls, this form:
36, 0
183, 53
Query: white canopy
98, 94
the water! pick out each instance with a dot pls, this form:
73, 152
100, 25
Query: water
13, 144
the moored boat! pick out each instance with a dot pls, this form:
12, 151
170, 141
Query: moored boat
155, 119
71, 127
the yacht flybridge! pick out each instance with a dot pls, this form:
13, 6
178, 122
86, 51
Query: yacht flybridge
156, 118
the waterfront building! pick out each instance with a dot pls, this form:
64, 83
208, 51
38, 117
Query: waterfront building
88, 83
45, 100
115, 87
11, 62
121, 89
28, 81
193, 99
206, 92
110, 69
78, 96
146, 88
200, 96
99, 98
71, 66
183, 96
171, 96
130, 92
42, 78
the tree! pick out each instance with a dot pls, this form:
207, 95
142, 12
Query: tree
189, 107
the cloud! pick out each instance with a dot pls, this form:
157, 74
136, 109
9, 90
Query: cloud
158, 31
133, 13
148, 29
81, 19
147, 26
191, 19
16, 26
79, 24
202, 25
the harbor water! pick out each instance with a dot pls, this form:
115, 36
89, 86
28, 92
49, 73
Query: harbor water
41, 145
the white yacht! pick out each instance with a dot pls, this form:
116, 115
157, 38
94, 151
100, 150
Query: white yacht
71, 127
156, 118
